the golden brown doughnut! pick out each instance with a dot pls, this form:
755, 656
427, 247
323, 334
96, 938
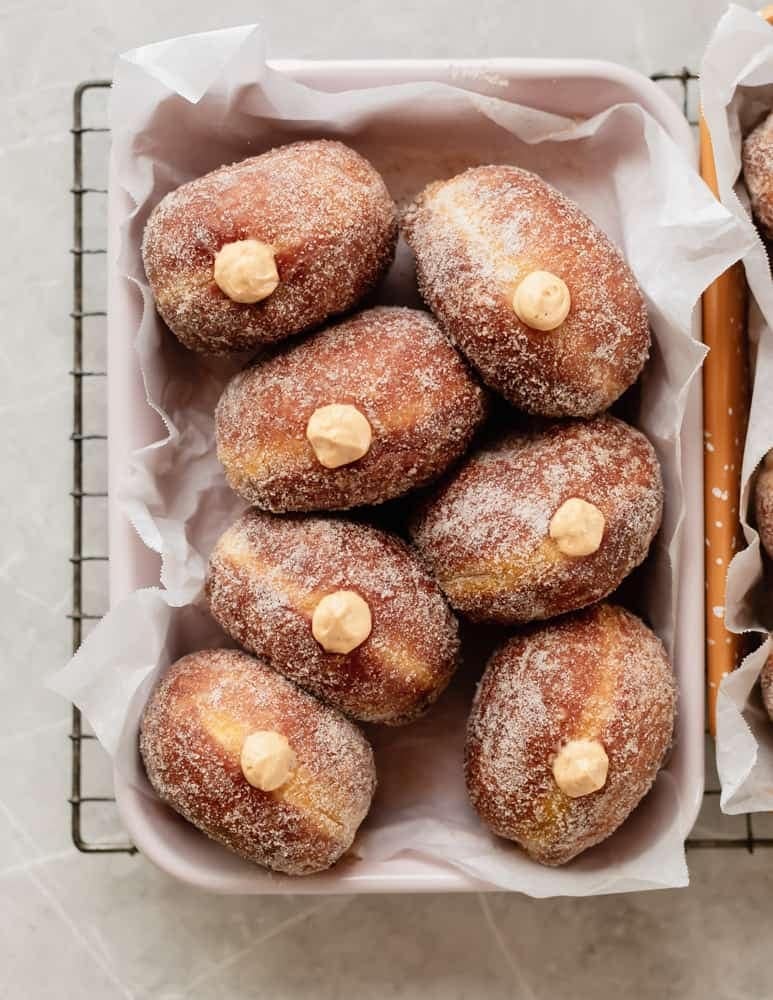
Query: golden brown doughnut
763, 503
766, 684
491, 534
195, 735
323, 221
569, 727
758, 173
400, 374
481, 241
267, 581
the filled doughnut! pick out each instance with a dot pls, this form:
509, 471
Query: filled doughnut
535, 295
268, 246
766, 684
757, 159
763, 503
255, 763
346, 611
570, 724
543, 521
357, 413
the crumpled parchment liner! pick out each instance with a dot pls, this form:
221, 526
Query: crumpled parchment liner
184, 107
736, 90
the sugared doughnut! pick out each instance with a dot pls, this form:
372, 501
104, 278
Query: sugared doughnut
758, 173
256, 763
357, 413
538, 298
543, 521
346, 611
269, 246
569, 727
766, 684
763, 503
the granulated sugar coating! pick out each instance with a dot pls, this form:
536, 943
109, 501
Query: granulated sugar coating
598, 675
191, 738
757, 173
323, 209
395, 366
485, 532
266, 576
475, 237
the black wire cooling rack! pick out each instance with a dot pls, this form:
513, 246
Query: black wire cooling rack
95, 823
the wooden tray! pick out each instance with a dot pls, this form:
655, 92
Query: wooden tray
725, 414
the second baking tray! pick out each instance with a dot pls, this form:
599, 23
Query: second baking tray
568, 88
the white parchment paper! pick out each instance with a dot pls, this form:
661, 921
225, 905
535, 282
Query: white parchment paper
736, 91
186, 106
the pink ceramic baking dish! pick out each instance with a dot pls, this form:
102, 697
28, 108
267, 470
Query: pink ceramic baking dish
566, 87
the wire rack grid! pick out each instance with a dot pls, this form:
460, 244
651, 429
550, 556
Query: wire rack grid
95, 823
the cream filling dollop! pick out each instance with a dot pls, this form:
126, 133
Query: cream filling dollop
581, 767
338, 434
542, 301
267, 760
577, 527
341, 621
246, 271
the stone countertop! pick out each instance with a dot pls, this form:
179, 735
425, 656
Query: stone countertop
74, 925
